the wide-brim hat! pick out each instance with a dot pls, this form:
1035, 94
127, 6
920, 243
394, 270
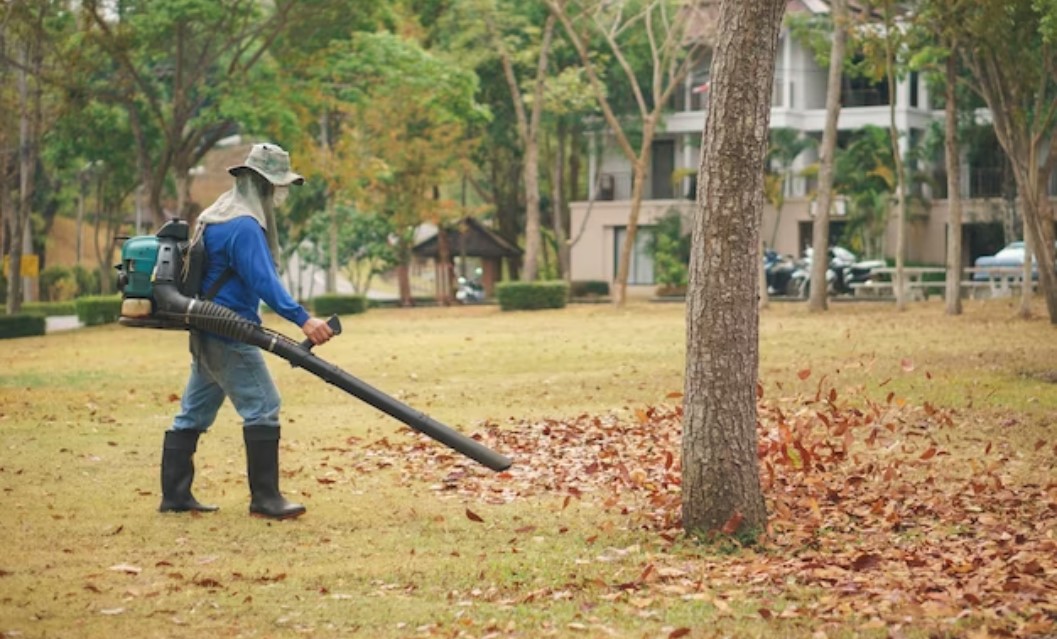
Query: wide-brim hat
272, 163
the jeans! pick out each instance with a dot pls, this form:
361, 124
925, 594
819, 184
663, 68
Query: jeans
222, 368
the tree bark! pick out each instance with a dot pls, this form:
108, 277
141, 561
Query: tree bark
558, 206
528, 127
954, 190
897, 158
820, 228
28, 133
1030, 244
637, 188
721, 483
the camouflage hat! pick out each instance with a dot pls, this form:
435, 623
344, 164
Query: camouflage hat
272, 163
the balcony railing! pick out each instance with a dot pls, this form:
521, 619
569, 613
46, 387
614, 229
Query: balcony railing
983, 183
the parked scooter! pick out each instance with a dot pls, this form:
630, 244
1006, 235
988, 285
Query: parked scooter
842, 271
469, 291
779, 270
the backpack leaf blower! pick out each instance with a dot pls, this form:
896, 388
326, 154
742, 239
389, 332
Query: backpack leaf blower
156, 293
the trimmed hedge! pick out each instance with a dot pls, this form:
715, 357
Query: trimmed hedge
22, 325
416, 300
589, 288
93, 310
50, 309
335, 304
527, 296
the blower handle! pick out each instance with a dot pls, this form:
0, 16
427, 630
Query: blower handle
335, 325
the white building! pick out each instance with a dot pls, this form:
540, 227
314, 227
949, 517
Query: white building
798, 103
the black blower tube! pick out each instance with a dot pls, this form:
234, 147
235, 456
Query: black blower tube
222, 321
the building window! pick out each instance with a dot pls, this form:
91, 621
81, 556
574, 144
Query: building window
914, 89
640, 271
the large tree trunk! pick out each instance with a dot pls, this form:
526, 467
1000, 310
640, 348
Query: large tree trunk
721, 484
954, 191
820, 228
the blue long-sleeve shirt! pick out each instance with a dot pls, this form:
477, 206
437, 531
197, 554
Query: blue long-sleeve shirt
240, 244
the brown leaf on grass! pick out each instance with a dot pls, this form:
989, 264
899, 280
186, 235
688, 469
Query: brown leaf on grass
674, 395
804, 373
906, 364
472, 516
732, 524
928, 454
646, 572
678, 632
866, 561
173, 397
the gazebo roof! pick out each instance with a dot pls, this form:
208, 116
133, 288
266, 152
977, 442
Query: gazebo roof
471, 238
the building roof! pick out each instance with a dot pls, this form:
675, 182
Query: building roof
471, 238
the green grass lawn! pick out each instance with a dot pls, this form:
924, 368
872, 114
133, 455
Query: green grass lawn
402, 539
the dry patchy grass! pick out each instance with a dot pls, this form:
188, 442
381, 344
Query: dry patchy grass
386, 550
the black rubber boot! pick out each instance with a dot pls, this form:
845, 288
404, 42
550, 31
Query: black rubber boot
262, 468
178, 472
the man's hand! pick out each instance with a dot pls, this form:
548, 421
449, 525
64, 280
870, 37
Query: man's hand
317, 330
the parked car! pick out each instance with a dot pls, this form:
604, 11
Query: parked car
1010, 257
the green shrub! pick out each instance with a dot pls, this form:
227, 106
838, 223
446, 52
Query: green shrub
525, 296
21, 325
589, 288
87, 280
50, 309
98, 309
57, 284
336, 304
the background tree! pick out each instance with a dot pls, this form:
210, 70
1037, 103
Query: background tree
820, 227
406, 115
786, 146
669, 247
26, 33
721, 483
885, 52
623, 25
364, 249
864, 174
89, 140
1013, 67
528, 124
942, 20
193, 73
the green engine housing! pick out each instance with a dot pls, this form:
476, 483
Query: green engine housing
138, 256
139, 267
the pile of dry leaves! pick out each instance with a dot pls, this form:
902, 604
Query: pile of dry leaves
871, 514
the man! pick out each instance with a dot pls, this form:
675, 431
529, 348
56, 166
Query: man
240, 243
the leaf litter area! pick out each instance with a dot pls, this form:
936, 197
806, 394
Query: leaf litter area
882, 514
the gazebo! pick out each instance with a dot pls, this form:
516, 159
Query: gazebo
469, 238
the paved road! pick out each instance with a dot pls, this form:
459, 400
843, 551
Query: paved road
61, 323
